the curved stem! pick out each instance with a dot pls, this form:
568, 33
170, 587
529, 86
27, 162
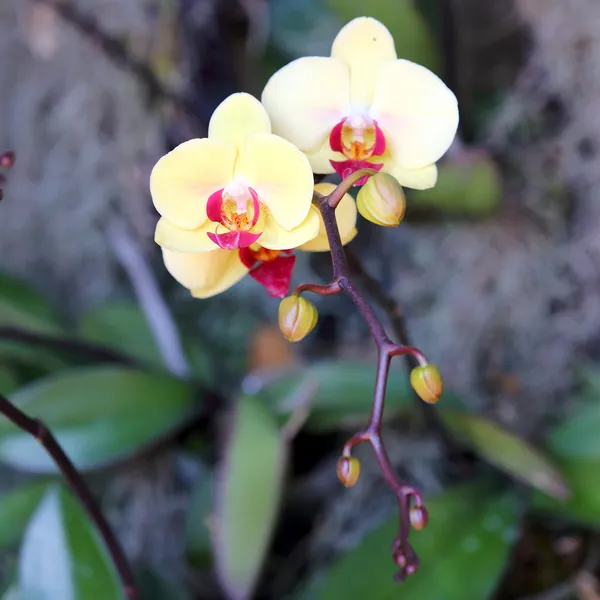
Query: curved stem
403, 554
42, 434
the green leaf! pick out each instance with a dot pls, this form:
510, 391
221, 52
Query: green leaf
470, 186
62, 555
340, 392
507, 452
412, 36
463, 551
8, 381
198, 538
574, 444
22, 307
121, 326
98, 415
16, 508
153, 586
249, 487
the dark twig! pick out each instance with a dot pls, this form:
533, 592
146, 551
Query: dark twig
403, 553
74, 346
118, 52
42, 434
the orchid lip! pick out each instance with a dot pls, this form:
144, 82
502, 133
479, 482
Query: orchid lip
346, 167
228, 207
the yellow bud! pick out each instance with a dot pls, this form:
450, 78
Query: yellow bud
348, 470
427, 382
297, 317
381, 200
418, 517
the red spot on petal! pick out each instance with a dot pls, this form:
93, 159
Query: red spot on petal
335, 137
247, 257
255, 206
213, 206
379, 148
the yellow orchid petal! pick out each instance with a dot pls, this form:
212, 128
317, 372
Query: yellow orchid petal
319, 160
346, 215
364, 44
306, 98
236, 117
275, 237
206, 273
280, 174
174, 238
417, 179
416, 111
182, 180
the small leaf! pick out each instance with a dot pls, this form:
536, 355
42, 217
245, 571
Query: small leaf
469, 185
414, 41
463, 551
62, 555
121, 326
342, 393
507, 452
198, 537
249, 487
574, 444
98, 414
22, 307
16, 508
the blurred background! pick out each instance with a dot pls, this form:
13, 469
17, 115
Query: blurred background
155, 395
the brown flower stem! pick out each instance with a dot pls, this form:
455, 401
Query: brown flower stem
42, 434
344, 187
403, 554
398, 322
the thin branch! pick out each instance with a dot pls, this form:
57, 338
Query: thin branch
403, 553
157, 313
88, 350
42, 434
395, 315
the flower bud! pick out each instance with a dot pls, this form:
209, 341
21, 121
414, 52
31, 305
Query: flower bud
348, 470
7, 159
427, 383
418, 517
381, 200
297, 317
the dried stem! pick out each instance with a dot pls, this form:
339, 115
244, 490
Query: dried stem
403, 554
40, 432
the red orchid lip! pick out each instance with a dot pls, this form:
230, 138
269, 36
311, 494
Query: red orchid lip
238, 234
233, 239
346, 167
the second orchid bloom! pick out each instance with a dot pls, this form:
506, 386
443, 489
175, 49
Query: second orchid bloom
240, 201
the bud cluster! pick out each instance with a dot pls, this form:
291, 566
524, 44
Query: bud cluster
7, 160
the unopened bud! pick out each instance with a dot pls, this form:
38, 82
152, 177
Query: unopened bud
427, 382
418, 517
7, 159
348, 470
297, 317
381, 200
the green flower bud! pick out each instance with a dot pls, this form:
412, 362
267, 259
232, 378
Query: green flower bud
297, 317
427, 383
381, 200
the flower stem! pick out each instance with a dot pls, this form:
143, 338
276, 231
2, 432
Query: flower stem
403, 554
42, 434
